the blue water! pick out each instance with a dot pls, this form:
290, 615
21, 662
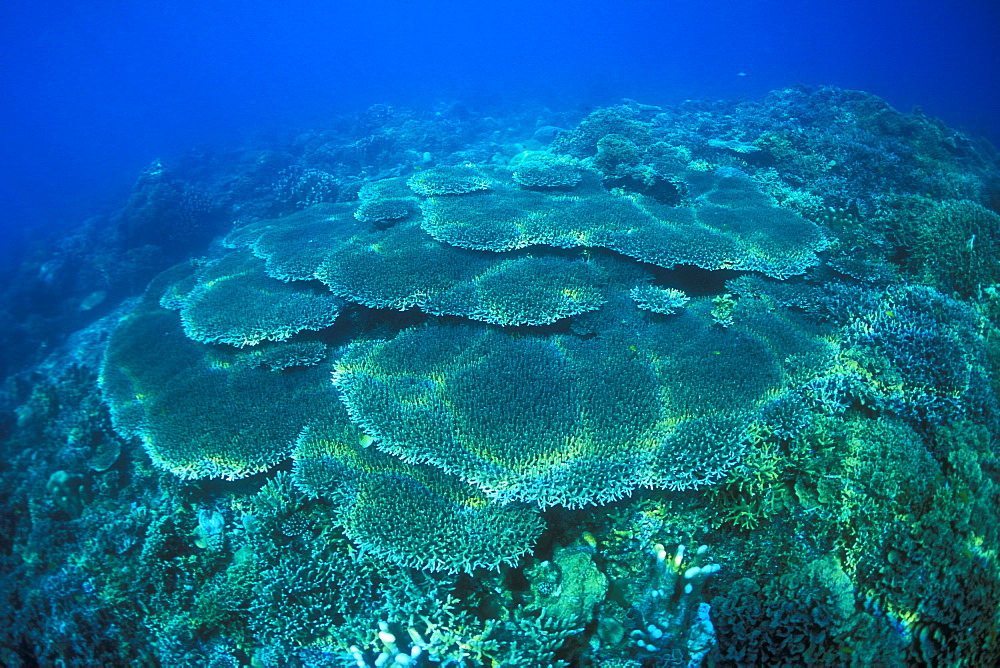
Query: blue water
94, 91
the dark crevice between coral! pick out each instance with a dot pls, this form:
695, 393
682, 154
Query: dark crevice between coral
215, 488
661, 190
693, 281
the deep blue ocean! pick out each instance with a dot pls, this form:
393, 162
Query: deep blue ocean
93, 92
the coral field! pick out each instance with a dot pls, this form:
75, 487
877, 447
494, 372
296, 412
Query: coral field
711, 384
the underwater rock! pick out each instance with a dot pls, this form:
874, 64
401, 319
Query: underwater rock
569, 587
68, 491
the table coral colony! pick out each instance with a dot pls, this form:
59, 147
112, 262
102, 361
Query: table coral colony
714, 382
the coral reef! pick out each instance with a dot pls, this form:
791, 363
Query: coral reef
402, 268
729, 225
210, 418
708, 384
659, 300
443, 525
540, 170
499, 412
457, 180
234, 301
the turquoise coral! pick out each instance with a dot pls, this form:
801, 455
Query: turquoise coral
568, 422
547, 171
234, 301
403, 268
659, 300
457, 180
211, 418
731, 226
438, 523
508, 473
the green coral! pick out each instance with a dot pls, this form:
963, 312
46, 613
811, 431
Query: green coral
953, 245
896, 509
722, 309
622, 120
293, 247
615, 151
570, 422
197, 412
526, 291
286, 355
234, 301
569, 587
658, 300
438, 523
403, 268
794, 469
384, 211
808, 616
730, 226
547, 171
457, 180
928, 565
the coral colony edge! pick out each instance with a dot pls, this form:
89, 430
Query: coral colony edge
711, 384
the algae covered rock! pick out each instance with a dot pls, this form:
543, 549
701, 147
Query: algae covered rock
569, 587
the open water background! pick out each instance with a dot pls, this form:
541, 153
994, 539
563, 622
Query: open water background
94, 91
